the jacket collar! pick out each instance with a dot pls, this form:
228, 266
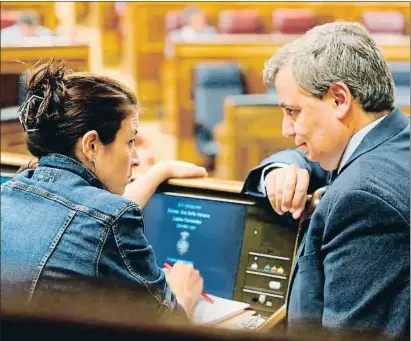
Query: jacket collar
387, 128
60, 161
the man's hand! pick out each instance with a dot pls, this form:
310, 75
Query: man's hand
287, 189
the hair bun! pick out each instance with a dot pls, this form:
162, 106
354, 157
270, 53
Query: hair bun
45, 94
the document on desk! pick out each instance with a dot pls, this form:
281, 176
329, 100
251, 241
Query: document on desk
205, 312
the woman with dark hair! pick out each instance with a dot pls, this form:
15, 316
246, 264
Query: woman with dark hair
79, 214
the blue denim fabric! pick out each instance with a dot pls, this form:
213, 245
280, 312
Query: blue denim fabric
60, 223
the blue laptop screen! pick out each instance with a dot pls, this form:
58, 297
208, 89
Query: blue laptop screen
5, 177
204, 232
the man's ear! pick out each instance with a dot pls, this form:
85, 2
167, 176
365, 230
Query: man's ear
341, 97
89, 144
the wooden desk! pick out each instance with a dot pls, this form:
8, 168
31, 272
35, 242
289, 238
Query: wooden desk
144, 25
75, 56
250, 52
104, 17
19, 160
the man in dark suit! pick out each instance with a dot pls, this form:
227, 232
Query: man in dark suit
351, 269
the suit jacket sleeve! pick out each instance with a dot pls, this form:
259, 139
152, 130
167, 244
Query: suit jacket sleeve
366, 265
318, 176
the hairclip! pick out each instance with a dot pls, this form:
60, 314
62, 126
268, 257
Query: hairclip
24, 111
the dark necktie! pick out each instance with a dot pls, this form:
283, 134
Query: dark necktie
332, 175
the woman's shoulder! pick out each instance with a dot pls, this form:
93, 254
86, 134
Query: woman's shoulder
107, 203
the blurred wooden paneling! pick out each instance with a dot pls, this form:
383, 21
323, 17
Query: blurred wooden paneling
12, 138
9, 90
104, 17
144, 29
246, 136
75, 56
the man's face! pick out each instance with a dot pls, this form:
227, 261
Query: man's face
198, 21
311, 122
28, 30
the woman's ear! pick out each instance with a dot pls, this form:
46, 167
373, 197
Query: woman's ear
89, 144
341, 97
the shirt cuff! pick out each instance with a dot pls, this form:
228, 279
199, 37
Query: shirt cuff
261, 185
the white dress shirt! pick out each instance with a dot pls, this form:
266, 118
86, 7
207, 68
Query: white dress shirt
349, 150
13, 35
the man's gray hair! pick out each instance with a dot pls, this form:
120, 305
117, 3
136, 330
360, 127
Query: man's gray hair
337, 52
188, 13
28, 18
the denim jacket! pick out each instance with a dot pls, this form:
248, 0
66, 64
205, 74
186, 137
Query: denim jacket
59, 222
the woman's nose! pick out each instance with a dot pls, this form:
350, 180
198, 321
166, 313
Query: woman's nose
135, 160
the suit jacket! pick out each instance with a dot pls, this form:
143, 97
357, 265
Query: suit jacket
351, 270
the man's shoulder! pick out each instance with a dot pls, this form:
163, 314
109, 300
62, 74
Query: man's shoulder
373, 179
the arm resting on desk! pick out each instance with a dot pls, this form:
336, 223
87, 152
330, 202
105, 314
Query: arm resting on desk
318, 176
143, 187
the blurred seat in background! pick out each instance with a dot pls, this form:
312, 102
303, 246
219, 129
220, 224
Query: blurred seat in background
294, 21
239, 22
401, 75
8, 18
213, 82
390, 22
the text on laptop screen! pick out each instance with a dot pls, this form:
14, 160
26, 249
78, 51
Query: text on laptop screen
204, 232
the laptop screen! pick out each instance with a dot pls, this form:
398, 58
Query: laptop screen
205, 232
5, 177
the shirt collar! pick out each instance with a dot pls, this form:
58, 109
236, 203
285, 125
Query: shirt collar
356, 140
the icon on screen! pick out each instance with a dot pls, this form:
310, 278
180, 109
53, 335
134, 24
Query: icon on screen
183, 244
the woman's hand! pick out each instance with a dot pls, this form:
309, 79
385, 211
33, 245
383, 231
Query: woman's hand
181, 169
186, 283
142, 188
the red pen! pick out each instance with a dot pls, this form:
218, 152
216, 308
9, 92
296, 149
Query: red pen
204, 294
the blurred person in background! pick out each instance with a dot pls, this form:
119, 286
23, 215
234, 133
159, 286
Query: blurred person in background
27, 26
195, 24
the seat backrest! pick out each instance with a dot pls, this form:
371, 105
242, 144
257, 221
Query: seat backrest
173, 21
384, 22
401, 73
213, 82
294, 21
239, 22
8, 18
